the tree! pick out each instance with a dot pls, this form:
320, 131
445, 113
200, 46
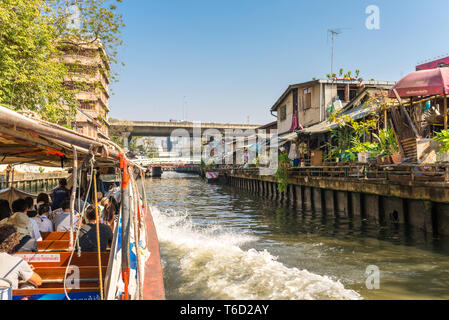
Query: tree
143, 146
29, 76
32, 34
84, 22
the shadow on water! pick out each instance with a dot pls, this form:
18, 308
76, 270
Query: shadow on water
292, 219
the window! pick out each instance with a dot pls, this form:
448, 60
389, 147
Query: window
341, 92
307, 98
87, 105
295, 100
283, 113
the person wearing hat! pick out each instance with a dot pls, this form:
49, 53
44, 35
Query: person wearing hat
21, 222
14, 268
21, 207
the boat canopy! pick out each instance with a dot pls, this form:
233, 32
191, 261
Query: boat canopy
34, 141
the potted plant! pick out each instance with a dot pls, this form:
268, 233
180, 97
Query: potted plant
364, 150
443, 139
388, 148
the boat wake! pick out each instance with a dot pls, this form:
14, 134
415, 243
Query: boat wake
209, 264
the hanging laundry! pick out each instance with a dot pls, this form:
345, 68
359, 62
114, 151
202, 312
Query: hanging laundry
295, 123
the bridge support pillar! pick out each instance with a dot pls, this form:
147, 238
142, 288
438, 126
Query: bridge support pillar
126, 140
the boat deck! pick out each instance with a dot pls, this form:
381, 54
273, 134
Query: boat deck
50, 263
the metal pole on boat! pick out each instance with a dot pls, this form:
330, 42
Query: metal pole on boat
100, 273
73, 197
137, 229
125, 226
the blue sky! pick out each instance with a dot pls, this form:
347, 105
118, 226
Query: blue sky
229, 60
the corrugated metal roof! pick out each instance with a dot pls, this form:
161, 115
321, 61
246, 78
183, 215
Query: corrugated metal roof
356, 113
374, 83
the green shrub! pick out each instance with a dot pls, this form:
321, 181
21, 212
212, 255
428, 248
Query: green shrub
443, 138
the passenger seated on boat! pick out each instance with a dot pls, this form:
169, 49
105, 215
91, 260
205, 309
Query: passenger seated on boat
14, 268
88, 234
5, 210
79, 202
42, 198
26, 245
101, 206
21, 206
62, 220
22, 224
60, 194
45, 225
31, 212
30, 203
110, 211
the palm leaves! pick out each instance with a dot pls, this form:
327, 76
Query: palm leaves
387, 144
443, 138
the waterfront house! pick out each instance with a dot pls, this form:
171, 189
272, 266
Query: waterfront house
303, 111
306, 104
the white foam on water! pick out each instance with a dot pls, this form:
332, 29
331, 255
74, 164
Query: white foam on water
210, 264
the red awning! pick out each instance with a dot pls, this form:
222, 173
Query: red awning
423, 83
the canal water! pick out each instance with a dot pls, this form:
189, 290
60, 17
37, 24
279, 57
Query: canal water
221, 243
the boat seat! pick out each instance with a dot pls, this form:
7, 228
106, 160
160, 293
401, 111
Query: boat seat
61, 259
51, 267
55, 274
53, 245
50, 264
44, 291
55, 235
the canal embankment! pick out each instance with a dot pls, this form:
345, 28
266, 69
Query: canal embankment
223, 242
404, 197
32, 182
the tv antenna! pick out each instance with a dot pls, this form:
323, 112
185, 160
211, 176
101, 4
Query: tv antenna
184, 108
334, 33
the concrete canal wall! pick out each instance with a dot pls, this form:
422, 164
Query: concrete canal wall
34, 182
424, 206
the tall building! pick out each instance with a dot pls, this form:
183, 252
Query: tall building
89, 76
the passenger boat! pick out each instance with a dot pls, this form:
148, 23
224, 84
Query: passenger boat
154, 172
131, 268
212, 176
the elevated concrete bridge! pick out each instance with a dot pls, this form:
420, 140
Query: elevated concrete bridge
182, 165
167, 162
129, 129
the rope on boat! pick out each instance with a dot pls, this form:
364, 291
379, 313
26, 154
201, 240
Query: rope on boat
124, 166
137, 229
100, 272
89, 159
73, 195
